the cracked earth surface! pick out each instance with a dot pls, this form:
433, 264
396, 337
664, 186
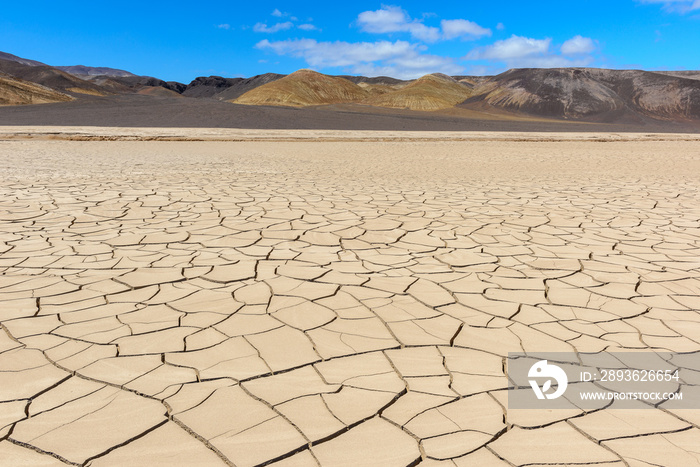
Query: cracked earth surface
336, 303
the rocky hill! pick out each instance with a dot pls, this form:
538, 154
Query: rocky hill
568, 94
81, 70
304, 88
431, 92
52, 78
590, 94
15, 91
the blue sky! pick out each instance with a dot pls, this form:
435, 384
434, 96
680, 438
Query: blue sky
182, 40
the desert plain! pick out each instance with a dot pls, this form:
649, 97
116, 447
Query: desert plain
326, 298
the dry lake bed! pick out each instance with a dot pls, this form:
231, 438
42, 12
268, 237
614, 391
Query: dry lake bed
291, 298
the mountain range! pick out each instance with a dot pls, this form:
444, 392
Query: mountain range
584, 95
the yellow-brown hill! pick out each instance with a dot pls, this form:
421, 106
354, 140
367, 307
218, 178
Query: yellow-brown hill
379, 89
15, 91
431, 92
304, 88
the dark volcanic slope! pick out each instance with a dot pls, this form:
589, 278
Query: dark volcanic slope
560, 93
148, 111
244, 85
208, 86
591, 94
136, 83
653, 94
222, 88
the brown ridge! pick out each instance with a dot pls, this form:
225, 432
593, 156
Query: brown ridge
15, 91
304, 88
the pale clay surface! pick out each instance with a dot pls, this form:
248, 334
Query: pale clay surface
291, 302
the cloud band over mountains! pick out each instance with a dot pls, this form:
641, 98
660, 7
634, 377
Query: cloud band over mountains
398, 58
411, 58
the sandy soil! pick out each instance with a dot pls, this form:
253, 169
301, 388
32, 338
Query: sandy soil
335, 299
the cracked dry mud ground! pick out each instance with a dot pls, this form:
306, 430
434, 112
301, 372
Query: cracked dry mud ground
336, 303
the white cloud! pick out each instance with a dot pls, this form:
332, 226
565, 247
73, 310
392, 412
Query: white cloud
308, 27
223, 26
452, 28
279, 14
480, 70
525, 52
578, 45
390, 19
682, 6
262, 27
400, 59
500, 26
338, 54
424, 33
403, 59
514, 47
395, 71
422, 64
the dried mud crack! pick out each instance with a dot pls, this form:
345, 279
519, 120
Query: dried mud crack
337, 303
